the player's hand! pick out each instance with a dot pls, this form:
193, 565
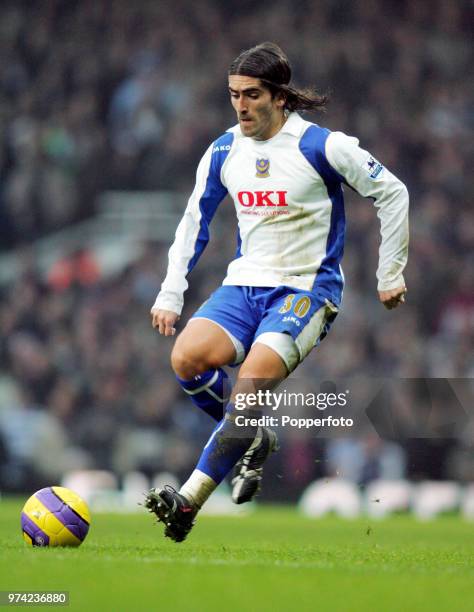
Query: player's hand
164, 321
393, 298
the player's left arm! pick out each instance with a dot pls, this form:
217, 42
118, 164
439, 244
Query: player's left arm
370, 178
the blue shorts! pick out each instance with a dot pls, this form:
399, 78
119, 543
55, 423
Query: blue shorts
290, 321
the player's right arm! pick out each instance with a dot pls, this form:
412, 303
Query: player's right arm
192, 236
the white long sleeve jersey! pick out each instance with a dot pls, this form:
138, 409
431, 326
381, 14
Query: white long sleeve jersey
288, 196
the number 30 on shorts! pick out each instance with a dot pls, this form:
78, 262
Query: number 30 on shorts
300, 308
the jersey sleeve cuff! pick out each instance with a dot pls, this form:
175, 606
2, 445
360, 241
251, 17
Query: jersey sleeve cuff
169, 301
393, 284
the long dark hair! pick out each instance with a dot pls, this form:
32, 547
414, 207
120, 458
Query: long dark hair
270, 64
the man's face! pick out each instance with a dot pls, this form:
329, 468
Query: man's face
260, 116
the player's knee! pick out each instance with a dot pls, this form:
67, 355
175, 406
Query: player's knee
186, 363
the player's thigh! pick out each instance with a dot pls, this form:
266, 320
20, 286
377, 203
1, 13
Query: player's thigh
263, 362
231, 309
263, 368
200, 346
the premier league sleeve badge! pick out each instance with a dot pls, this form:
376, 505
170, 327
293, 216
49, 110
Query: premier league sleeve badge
373, 167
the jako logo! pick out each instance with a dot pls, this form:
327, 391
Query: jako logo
262, 198
218, 148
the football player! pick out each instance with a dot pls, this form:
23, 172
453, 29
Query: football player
283, 290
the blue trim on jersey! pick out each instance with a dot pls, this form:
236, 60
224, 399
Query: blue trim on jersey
213, 194
329, 277
238, 252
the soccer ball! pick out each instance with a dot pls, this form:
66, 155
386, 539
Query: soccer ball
55, 516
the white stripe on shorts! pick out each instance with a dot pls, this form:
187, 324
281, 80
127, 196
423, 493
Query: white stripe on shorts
294, 351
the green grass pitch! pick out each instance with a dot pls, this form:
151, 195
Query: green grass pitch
272, 559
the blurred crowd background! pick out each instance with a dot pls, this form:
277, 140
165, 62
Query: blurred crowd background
100, 95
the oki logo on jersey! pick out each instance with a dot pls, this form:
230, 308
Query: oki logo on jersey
262, 198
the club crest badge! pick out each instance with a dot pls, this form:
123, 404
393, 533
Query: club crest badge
263, 168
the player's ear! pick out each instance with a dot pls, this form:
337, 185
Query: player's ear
280, 99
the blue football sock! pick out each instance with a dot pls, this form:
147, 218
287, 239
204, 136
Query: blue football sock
209, 391
226, 445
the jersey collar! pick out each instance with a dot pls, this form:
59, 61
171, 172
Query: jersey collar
293, 125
